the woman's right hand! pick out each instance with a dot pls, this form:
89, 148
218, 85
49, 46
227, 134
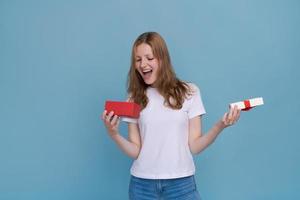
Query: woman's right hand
111, 123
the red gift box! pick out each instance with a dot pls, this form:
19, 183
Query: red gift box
125, 109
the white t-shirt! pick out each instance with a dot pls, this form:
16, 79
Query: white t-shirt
165, 152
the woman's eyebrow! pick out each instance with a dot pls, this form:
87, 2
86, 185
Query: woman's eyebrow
144, 55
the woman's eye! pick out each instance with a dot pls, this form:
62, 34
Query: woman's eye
150, 58
138, 60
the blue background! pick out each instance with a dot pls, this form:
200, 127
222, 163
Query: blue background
60, 61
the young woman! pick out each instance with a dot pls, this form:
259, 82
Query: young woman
168, 131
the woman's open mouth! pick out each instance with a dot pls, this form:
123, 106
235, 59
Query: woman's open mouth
147, 73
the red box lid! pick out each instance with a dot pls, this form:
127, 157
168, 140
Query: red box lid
126, 109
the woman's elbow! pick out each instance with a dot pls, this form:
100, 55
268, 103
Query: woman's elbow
135, 154
193, 150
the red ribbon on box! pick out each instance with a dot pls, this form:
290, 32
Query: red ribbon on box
126, 109
247, 105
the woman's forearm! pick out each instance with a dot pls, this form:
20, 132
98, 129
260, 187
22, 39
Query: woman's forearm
129, 148
202, 142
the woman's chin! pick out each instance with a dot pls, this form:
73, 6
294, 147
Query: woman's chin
148, 82
151, 84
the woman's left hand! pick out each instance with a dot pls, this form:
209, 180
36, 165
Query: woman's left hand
231, 117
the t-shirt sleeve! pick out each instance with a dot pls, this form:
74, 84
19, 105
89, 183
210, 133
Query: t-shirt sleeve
129, 119
196, 107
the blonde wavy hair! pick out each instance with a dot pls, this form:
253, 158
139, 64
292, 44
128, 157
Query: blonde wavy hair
168, 85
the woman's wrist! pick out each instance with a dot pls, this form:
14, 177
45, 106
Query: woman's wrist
114, 135
220, 125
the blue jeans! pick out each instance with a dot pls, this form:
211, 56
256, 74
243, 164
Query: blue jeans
164, 189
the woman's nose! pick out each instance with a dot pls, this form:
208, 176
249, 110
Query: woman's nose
143, 63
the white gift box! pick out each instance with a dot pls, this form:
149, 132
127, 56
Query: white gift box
248, 104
